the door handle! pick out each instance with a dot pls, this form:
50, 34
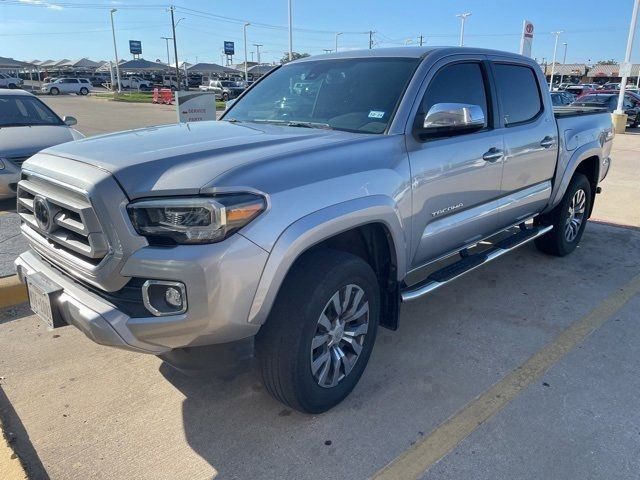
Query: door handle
492, 155
547, 142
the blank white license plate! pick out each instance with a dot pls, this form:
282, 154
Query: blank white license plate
41, 294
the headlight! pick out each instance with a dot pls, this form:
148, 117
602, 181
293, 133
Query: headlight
1, 163
196, 219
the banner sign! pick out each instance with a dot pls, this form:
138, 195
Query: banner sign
527, 38
196, 106
229, 48
135, 47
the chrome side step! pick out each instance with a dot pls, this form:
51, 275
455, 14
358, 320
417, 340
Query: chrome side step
469, 263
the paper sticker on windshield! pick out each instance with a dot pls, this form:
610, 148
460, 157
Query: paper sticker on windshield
376, 114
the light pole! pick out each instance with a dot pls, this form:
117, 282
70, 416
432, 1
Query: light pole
244, 30
257, 45
167, 42
564, 61
553, 62
290, 34
337, 35
627, 57
463, 17
175, 49
115, 49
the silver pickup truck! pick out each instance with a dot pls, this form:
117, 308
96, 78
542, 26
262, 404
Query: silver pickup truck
332, 191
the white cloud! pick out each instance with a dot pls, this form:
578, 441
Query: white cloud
51, 6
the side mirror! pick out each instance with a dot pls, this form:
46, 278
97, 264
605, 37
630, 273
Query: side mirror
69, 120
228, 104
447, 119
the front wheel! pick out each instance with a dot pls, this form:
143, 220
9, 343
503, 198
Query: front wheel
54, 91
317, 340
84, 91
569, 219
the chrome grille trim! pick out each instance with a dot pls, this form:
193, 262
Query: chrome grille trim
75, 231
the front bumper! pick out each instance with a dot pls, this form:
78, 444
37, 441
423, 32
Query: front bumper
221, 280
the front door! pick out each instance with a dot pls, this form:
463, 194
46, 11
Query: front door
455, 179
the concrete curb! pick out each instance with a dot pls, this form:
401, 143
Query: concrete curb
12, 292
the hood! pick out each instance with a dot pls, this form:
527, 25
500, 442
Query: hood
26, 141
182, 158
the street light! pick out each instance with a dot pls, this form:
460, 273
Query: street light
337, 34
553, 62
290, 34
167, 41
620, 118
564, 61
244, 30
463, 17
115, 49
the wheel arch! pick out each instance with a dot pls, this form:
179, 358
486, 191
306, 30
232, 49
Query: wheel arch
369, 227
587, 160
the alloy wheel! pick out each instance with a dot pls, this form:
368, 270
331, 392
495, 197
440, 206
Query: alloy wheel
339, 337
576, 215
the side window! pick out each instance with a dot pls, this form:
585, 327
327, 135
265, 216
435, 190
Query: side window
518, 93
458, 83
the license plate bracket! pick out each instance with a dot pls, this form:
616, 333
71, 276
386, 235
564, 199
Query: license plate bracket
43, 294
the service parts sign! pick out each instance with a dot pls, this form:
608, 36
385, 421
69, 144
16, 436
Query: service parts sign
195, 106
527, 38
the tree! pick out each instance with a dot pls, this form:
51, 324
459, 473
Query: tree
607, 62
295, 55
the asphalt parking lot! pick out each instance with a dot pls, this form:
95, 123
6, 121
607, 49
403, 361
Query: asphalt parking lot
526, 368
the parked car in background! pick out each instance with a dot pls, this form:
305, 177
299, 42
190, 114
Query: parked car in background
293, 223
580, 88
136, 83
27, 126
610, 86
170, 81
224, 89
564, 85
194, 80
79, 86
633, 96
562, 98
8, 81
99, 81
609, 101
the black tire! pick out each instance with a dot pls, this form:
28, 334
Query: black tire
12, 86
54, 91
84, 91
225, 96
558, 242
283, 344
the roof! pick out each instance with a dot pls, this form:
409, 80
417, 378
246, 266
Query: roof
11, 63
612, 70
142, 64
211, 68
260, 69
567, 69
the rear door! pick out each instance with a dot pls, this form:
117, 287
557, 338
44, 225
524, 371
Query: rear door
455, 179
530, 140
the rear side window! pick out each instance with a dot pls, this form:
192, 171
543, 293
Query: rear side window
518, 93
457, 83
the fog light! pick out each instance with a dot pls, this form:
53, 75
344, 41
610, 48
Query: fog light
164, 298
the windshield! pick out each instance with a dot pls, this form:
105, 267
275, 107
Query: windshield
18, 111
356, 94
228, 84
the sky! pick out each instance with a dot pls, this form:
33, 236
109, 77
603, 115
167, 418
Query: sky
55, 29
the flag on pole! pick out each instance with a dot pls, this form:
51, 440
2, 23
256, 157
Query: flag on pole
527, 38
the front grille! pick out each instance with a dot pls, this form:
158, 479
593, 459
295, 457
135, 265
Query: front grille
61, 219
18, 161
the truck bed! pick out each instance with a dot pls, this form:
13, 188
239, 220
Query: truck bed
570, 111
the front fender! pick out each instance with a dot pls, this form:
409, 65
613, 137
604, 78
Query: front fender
316, 227
564, 175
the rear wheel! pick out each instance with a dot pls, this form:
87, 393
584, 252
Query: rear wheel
225, 96
317, 341
569, 219
12, 86
54, 91
84, 91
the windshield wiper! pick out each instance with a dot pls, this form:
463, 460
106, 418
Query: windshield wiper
295, 123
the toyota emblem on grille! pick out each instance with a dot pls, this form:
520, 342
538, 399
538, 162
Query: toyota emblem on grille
42, 212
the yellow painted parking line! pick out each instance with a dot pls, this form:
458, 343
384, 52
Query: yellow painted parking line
12, 292
415, 461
